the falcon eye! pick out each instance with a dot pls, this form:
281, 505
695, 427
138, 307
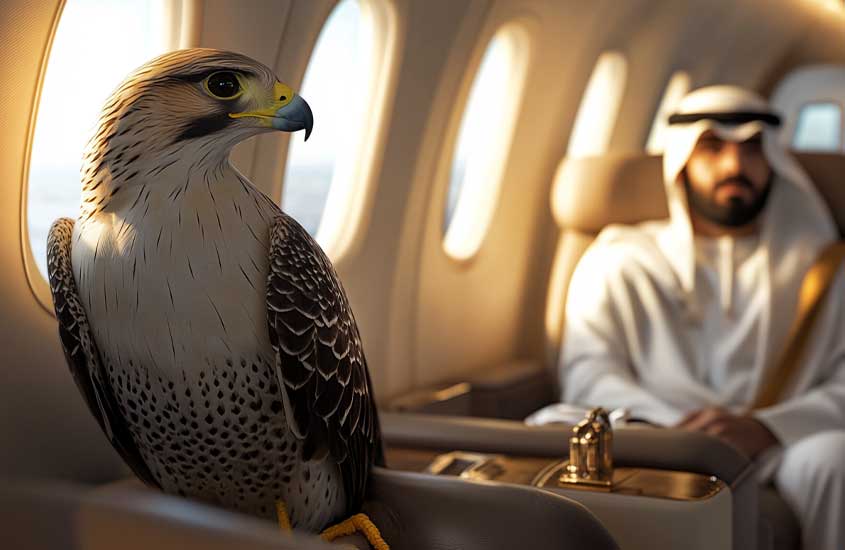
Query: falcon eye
223, 85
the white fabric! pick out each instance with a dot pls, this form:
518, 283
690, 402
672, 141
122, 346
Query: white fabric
662, 323
811, 479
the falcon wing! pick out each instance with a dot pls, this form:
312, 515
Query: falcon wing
320, 363
81, 351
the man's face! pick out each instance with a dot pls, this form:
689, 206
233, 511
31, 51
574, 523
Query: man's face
727, 182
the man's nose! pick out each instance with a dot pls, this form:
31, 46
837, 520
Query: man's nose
730, 161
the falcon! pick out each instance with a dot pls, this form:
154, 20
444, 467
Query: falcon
206, 330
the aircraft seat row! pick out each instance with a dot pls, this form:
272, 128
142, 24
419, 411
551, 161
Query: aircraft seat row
587, 195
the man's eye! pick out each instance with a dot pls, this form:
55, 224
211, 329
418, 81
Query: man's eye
710, 144
753, 144
224, 85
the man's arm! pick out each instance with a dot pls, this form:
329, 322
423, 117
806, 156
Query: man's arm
821, 408
743, 431
595, 368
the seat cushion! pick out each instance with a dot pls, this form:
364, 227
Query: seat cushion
776, 515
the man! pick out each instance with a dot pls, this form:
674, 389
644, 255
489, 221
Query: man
678, 321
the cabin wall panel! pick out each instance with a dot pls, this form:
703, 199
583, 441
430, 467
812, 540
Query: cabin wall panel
253, 29
381, 277
470, 314
45, 427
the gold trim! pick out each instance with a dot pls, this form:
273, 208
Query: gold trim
644, 482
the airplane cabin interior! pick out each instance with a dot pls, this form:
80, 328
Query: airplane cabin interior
465, 155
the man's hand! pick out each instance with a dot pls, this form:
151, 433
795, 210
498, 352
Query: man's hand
744, 432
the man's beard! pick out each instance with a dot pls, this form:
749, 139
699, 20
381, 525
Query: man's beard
737, 212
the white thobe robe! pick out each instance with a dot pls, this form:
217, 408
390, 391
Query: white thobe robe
631, 342
662, 323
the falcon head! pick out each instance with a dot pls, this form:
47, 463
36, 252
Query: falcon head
210, 98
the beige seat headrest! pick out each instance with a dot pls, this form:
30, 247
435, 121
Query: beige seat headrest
589, 193
827, 172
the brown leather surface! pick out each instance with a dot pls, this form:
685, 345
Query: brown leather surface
648, 447
784, 531
412, 511
645, 447
827, 172
510, 390
50, 515
592, 192
422, 512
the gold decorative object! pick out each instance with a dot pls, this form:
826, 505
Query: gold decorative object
590, 452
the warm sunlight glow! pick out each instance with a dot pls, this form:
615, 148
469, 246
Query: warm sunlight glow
832, 5
484, 141
93, 50
676, 89
556, 297
597, 114
323, 184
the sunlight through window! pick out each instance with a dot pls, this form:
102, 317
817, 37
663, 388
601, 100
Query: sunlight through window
597, 113
484, 141
819, 128
676, 89
92, 52
323, 181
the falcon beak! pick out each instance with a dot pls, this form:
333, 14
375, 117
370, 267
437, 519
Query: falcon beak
286, 111
294, 116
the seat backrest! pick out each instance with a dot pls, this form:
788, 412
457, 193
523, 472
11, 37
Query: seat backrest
588, 194
591, 193
827, 172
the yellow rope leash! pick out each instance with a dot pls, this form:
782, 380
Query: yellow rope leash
357, 523
282, 516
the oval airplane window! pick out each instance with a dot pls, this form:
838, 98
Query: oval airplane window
68, 112
484, 140
818, 128
597, 113
322, 187
676, 89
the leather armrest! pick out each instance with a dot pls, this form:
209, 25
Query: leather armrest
46, 515
421, 512
510, 390
645, 447
412, 511
636, 447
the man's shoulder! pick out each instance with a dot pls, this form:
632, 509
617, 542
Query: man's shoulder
629, 240
624, 251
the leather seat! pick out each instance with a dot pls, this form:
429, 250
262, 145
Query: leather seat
49, 515
413, 512
632, 447
588, 194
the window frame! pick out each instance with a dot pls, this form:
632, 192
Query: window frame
581, 126
840, 149
348, 207
181, 17
459, 245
